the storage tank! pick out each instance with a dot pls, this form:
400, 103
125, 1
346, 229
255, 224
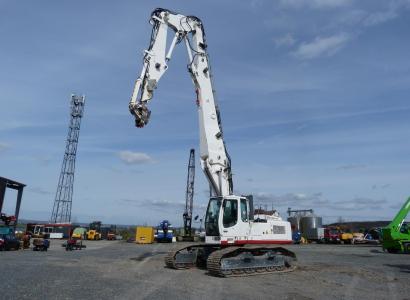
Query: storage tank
310, 222
294, 223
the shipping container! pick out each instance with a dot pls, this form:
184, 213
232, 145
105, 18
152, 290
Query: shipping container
144, 235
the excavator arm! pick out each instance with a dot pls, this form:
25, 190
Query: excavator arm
215, 160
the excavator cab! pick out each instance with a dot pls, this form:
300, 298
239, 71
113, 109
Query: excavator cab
212, 217
227, 218
405, 228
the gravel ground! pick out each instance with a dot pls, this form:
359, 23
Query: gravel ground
117, 270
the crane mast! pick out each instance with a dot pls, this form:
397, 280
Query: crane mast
189, 195
215, 160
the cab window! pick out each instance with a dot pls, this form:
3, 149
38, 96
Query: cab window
230, 216
244, 210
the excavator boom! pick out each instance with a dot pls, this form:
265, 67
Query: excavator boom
215, 160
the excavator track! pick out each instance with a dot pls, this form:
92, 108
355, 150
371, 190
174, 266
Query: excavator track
250, 260
233, 260
189, 257
171, 261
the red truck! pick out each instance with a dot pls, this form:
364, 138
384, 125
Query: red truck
332, 235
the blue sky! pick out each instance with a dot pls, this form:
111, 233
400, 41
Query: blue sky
313, 96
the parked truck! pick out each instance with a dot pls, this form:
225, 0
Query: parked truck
331, 235
337, 235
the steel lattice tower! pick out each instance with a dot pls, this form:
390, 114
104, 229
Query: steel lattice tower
64, 195
189, 195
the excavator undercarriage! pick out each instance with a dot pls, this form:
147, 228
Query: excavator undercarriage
232, 261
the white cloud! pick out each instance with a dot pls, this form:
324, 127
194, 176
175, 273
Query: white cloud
380, 17
392, 12
135, 158
290, 199
159, 204
284, 41
321, 46
320, 4
308, 201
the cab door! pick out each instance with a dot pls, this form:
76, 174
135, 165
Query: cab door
234, 220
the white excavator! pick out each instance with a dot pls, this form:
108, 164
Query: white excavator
237, 243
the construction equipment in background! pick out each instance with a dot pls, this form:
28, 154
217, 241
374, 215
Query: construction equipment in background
229, 218
338, 235
331, 235
24, 239
144, 235
188, 235
8, 220
111, 236
79, 233
40, 244
8, 239
346, 237
52, 231
94, 231
364, 238
164, 232
296, 237
109, 232
74, 244
396, 236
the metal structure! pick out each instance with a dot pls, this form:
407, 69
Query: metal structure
227, 221
189, 196
299, 212
396, 236
64, 195
8, 183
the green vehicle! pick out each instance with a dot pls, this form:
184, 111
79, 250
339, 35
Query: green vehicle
79, 233
396, 236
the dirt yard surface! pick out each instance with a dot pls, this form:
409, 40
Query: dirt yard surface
118, 270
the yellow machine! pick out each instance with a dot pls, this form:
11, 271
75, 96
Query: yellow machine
346, 238
94, 233
144, 235
79, 233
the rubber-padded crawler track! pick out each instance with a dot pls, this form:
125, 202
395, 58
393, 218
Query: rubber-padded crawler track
215, 258
171, 261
